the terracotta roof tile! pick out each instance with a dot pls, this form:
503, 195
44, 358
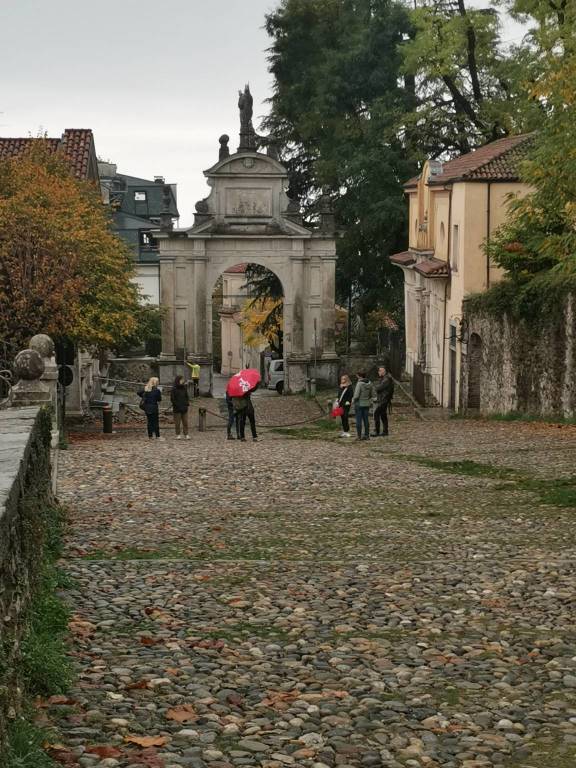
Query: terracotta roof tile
403, 259
497, 161
237, 269
77, 144
433, 267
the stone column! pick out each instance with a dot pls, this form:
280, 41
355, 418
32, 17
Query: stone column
328, 341
167, 291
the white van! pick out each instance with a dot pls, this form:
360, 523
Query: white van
275, 376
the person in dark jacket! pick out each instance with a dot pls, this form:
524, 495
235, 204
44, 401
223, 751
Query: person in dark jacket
232, 419
151, 396
384, 393
245, 410
363, 395
180, 405
345, 395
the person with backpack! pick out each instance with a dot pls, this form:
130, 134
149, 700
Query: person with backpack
384, 393
363, 396
180, 405
150, 397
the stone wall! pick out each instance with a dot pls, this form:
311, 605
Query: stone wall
132, 369
521, 367
25, 494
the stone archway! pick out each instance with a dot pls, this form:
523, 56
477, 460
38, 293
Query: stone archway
248, 217
474, 371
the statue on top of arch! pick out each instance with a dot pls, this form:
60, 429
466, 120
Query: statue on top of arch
247, 132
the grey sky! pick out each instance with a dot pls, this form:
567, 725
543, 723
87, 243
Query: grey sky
156, 80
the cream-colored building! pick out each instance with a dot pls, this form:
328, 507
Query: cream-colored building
236, 354
454, 207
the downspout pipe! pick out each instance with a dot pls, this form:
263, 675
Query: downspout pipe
449, 243
488, 228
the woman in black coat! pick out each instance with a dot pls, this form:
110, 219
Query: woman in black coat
151, 396
180, 404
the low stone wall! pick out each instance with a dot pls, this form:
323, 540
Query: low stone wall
25, 493
515, 366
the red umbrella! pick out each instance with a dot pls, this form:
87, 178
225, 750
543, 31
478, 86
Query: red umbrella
243, 382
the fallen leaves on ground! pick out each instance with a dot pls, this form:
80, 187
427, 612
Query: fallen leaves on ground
146, 741
184, 714
103, 750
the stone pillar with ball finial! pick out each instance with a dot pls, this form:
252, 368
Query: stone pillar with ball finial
44, 345
29, 390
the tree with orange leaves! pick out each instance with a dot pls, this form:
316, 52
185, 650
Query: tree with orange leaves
62, 270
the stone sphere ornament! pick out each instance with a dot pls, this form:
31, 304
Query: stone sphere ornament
29, 365
42, 344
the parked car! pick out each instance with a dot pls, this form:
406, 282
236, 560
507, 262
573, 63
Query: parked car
275, 376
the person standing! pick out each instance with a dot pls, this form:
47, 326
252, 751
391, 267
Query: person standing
384, 393
345, 395
180, 405
232, 419
245, 410
363, 395
150, 397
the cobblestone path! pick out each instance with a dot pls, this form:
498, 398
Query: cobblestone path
315, 602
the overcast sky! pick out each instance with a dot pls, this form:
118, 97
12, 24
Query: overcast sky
156, 80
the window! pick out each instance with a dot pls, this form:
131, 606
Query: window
140, 197
147, 240
455, 247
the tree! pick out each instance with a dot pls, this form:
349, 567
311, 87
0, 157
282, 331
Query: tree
337, 99
263, 313
470, 88
62, 270
537, 245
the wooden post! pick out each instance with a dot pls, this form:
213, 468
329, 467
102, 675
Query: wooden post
201, 419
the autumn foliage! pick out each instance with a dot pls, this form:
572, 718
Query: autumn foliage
62, 270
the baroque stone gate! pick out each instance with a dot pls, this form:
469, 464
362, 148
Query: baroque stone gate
249, 218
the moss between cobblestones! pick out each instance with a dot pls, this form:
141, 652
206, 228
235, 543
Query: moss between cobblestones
558, 492
544, 754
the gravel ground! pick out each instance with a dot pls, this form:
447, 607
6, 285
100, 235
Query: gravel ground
315, 602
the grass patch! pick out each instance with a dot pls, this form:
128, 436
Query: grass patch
25, 746
133, 553
318, 430
558, 492
544, 753
515, 416
45, 667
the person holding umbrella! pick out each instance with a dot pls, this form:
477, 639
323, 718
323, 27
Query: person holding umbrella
239, 388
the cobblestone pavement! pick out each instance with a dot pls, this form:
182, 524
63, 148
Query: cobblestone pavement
315, 602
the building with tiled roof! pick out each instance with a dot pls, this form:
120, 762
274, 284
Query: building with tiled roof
75, 144
454, 208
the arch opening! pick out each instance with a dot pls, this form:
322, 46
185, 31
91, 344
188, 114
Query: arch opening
247, 320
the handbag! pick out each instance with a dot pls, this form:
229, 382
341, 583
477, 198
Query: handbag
337, 411
142, 404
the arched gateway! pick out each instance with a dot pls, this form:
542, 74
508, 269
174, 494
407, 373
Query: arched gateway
248, 218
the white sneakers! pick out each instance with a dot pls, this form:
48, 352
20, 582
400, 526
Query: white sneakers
187, 437
345, 434
178, 437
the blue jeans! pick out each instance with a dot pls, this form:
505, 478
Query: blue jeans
363, 417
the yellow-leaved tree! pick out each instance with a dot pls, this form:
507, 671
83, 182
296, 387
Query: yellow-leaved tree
62, 270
